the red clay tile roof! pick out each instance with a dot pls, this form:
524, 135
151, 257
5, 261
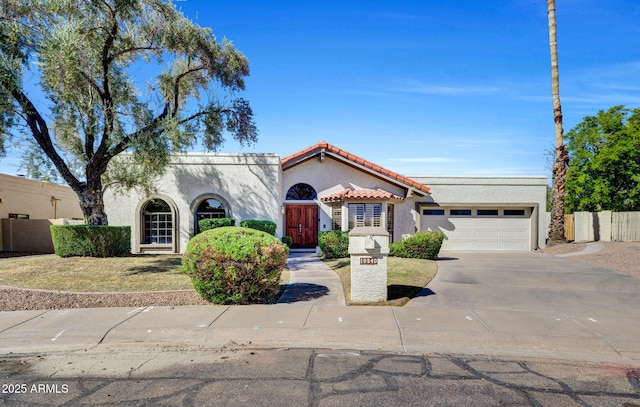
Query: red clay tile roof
361, 194
312, 151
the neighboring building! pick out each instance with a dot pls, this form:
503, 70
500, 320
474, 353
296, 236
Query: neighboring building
24, 199
325, 188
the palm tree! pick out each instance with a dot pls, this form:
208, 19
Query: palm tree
556, 227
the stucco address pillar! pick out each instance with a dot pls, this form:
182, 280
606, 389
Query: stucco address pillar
368, 249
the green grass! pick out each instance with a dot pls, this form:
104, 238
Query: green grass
405, 278
87, 274
134, 273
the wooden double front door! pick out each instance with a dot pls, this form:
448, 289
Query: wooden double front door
302, 225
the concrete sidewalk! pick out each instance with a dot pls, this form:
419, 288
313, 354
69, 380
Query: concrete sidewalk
407, 329
455, 317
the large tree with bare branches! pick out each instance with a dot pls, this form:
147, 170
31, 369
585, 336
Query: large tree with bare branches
556, 228
83, 81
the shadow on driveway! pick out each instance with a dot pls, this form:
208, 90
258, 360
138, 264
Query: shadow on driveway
297, 292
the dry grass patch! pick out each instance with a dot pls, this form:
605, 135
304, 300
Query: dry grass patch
133, 273
405, 278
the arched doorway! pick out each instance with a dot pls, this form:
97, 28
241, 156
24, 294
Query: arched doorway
301, 219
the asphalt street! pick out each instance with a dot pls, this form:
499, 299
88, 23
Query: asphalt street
308, 377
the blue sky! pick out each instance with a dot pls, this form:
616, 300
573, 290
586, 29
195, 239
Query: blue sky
425, 87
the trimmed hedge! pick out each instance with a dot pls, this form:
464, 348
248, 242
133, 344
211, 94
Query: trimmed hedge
262, 225
422, 245
235, 265
287, 240
91, 241
208, 224
334, 243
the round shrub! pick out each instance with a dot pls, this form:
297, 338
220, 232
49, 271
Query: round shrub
334, 244
91, 241
422, 245
287, 240
235, 265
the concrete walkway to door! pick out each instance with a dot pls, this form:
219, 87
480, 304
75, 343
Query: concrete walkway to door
311, 282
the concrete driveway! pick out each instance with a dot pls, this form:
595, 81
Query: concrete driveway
538, 296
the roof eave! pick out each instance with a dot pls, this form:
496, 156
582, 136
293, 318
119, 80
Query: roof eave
324, 149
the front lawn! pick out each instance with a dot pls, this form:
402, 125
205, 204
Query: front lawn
405, 278
134, 273
87, 274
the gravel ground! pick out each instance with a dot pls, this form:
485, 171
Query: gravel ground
619, 256
15, 299
563, 248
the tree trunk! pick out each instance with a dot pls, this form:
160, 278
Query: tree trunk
92, 203
556, 227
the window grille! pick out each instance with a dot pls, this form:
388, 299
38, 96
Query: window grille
390, 209
158, 223
301, 192
209, 209
336, 216
364, 215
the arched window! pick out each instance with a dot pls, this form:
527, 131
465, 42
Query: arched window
301, 192
158, 223
210, 208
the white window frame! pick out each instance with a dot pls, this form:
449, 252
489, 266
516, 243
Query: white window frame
158, 227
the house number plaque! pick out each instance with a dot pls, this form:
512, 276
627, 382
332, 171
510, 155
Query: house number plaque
368, 261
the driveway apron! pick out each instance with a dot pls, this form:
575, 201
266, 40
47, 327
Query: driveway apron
536, 294
531, 282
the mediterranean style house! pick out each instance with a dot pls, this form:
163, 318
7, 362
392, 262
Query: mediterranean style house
326, 188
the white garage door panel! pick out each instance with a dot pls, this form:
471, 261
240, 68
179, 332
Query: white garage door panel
469, 233
514, 223
513, 235
483, 223
460, 245
492, 235
487, 246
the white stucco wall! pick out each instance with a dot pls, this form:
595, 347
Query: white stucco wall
249, 183
330, 176
494, 192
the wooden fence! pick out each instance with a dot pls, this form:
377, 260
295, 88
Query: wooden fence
569, 227
605, 226
625, 226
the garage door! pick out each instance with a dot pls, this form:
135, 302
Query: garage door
477, 229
